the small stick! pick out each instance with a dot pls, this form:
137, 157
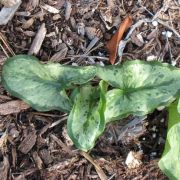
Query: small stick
4, 51
58, 122
97, 167
84, 56
4, 41
38, 40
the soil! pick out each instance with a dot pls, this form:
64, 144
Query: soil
35, 145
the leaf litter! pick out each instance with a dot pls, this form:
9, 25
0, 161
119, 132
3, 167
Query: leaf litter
43, 152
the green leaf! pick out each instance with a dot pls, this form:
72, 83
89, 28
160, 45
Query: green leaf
170, 161
86, 120
178, 107
43, 86
140, 87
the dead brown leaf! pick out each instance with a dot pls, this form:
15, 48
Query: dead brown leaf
112, 45
11, 107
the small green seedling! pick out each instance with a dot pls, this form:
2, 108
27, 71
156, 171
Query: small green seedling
137, 88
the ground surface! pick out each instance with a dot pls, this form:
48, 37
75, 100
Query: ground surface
35, 145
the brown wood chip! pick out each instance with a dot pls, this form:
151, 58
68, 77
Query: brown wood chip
136, 40
46, 157
28, 142
11, 107
68, 10
50, 9
2, 59
61, 144
37, 160
112, 44
4, 168
14, 157
38, 40
62, 165
60, 54
32, 4
9, 3
27, 24
7, 13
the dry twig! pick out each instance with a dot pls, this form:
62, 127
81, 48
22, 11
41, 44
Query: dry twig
97, 167
38, 40
5, 43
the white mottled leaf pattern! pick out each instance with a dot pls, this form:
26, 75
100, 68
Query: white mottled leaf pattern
86, 120
140, 87
43, 86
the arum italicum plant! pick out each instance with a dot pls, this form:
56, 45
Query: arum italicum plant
137, 88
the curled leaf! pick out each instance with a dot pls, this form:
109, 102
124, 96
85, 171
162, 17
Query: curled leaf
86, 120
112, 45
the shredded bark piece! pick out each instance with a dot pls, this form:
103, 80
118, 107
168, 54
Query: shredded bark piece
7, 13
28, 142
46, 156
4, 168
68, 10
38, 40
11, 107
37, 160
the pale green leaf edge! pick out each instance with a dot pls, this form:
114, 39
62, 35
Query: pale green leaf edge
14, 93
170, 160
62, 92
113, 84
